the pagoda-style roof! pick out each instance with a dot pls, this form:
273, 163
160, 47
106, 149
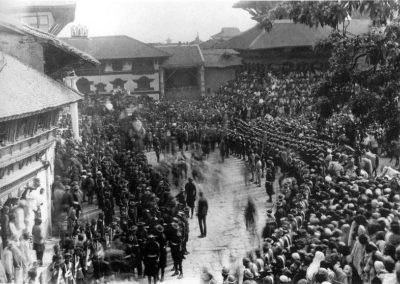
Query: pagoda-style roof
25, 91
115, 47
285, 33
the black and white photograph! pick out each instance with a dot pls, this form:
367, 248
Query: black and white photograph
199, 142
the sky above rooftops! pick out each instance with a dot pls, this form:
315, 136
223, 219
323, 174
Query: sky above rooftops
153, 21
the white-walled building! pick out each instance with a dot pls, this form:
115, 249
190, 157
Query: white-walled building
125, 63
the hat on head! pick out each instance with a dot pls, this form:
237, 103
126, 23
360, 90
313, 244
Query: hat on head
159, 228
231, 279
295, 256
174, 225
269, 240
284, 279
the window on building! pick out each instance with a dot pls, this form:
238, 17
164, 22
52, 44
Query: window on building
44, 120
30, 20
100, 87
4, 133
83, 85
32, 125
143, 67
43, 20
37, 21
143, 83
22, 128
117, 65
118, 83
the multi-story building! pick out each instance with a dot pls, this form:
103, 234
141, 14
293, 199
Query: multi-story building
47, 15
126, 63
287, 46
29, 109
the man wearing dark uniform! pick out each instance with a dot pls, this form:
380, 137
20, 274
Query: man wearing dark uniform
162, 241
141, 236
184, 224
175, 242
190, 190
151, 255
202, 214
269, 184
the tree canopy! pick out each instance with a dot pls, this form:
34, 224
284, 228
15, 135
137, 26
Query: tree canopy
319, 13
363, 75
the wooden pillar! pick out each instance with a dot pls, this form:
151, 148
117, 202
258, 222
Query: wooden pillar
162, 85
202, 82
73, 108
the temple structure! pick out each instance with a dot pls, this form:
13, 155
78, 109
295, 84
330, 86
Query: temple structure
287, 46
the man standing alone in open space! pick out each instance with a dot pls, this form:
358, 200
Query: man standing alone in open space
202, 209
190, 189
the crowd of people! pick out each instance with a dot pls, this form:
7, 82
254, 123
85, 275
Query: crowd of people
332, 216
140, 216
335, 219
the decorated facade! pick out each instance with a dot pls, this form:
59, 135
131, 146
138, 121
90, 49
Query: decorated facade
28, 119
126, 63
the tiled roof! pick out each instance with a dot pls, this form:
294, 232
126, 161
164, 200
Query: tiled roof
25, 91
221, 58
285, 33
183, 56
18, 27
115, 47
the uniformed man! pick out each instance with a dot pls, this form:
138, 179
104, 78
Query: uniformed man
175, 243
184, 224
142, 235
162, 241
190, 190
151, 256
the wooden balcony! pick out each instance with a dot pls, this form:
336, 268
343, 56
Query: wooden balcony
26, 147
